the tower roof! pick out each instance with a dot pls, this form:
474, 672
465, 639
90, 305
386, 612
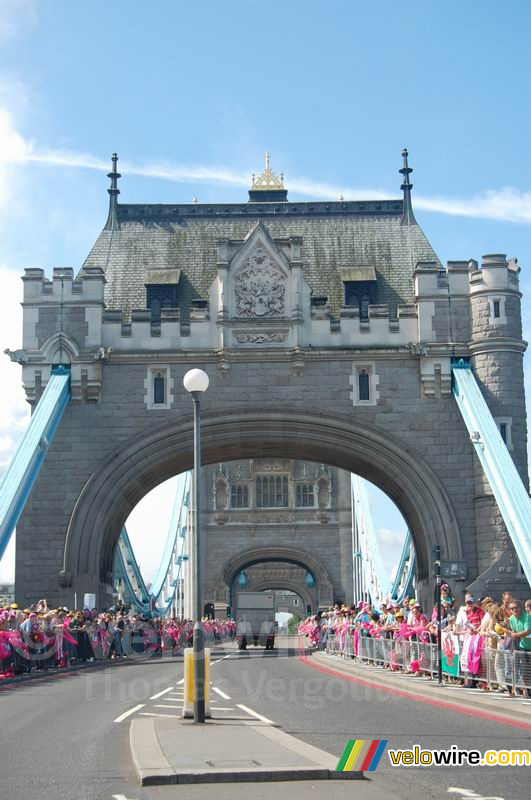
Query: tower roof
338, 239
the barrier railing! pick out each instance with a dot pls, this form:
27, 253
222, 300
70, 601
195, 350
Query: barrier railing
25, 654
494, 669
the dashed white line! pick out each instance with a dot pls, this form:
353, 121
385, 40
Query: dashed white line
128, 713
255, 714
221, 694
164, 691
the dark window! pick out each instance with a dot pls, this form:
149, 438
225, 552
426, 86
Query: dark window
359, 295
239, 497
161, 296
363, 385
272, 492
496, 309
159, 389
503, 431
305, 495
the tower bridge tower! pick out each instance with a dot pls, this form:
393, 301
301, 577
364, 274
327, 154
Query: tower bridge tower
328, 331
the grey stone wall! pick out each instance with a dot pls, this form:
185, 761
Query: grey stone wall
430, 428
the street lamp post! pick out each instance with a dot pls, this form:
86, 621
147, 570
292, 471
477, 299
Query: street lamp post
196, 382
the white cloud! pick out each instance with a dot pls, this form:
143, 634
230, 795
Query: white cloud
506, 204
14, 411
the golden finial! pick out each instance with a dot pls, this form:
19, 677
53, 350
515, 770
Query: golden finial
268, 180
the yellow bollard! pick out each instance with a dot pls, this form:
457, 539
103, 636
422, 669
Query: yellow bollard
188, 708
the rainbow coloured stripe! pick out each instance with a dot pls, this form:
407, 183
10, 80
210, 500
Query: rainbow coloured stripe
361, 755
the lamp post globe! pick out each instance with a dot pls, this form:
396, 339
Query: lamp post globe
196, 380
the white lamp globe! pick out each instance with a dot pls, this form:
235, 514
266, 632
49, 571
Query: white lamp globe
195, 380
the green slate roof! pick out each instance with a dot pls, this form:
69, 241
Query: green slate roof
336, 237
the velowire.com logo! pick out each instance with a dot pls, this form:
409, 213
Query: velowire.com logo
361, 755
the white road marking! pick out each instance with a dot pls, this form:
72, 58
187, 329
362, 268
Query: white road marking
157, 705
179, 682
167, 716
471, 794
128, 713
173, 699
223, 708
119, 797
221, 694
255, 714
164, 691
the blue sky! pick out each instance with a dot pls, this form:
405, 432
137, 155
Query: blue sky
191, 95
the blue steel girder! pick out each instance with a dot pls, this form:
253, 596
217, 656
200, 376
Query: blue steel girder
18, 479
507, 486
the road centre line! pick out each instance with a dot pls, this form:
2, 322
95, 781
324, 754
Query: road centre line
255, 714
159, 694
221, 694
128, 713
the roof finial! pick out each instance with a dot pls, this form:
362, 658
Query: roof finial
113, 190
266, 159
407, 217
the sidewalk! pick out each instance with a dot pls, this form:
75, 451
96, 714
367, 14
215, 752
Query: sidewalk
169, 751
511, 710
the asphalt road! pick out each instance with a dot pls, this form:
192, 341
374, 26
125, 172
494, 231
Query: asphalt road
66, 737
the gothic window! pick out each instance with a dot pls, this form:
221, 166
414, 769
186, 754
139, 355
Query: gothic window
364, 385
160, 296
159, 389
272, 491
359, 295
239, 496
304, 495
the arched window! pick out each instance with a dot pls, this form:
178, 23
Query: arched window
360, 295
159, 389
160, 296
365, 302
272, 491
305, 497
364, 385
239, 496
155, 310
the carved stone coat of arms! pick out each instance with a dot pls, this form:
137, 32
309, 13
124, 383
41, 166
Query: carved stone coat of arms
260, 287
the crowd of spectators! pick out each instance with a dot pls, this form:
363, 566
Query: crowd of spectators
482, 629
40, 638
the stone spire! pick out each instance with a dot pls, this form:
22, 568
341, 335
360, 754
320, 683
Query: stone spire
113, 190
408, 217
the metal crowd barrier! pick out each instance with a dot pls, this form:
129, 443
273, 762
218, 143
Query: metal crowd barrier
498, 669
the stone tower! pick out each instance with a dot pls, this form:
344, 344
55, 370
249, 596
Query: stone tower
497, 350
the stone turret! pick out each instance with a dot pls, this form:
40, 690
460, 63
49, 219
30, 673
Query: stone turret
497, 350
